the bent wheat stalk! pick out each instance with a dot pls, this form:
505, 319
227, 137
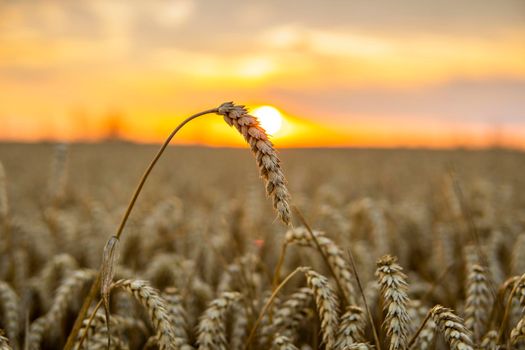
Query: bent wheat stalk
269, 169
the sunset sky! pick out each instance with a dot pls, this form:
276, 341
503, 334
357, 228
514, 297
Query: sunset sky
343, 73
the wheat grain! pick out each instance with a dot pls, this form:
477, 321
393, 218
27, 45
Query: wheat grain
63, 298
333, 253
425, 339
290, 314
282, 342
453, 328
351, 327
360, 346
327, 306
518, 332
392, 282
10, 306
490, 341
266, 156
54, 271
239, 327
4, 342
211, 329
150, 299
478, 301
177, 312
266, 330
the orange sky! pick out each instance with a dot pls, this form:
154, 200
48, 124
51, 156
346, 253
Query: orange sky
405, 73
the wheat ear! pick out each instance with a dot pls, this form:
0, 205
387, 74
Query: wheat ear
4, 342
53, 272
517, 291
290, 314
156, 307
333, 253
95, 331
10, 306
59, 172
265, 154
327, 306
239, 327
4, 203
392, 282
478, 301
360, 346
63, 298
98, 339
518, 255
452, 327
177, 313
518, 332
211, 329
351, 328
282, 342
490, 340
423, 337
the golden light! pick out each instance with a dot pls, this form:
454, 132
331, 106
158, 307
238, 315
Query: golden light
269, 117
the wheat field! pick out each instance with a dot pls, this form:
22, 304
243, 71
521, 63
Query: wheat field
397, 249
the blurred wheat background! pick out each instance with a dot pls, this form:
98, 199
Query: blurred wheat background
397, 127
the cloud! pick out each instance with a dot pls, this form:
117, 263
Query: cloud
488, 102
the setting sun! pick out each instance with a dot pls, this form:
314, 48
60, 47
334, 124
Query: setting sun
270, 118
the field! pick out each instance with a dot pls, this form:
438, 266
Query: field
203, 249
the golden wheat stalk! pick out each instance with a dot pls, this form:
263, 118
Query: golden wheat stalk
269, 169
